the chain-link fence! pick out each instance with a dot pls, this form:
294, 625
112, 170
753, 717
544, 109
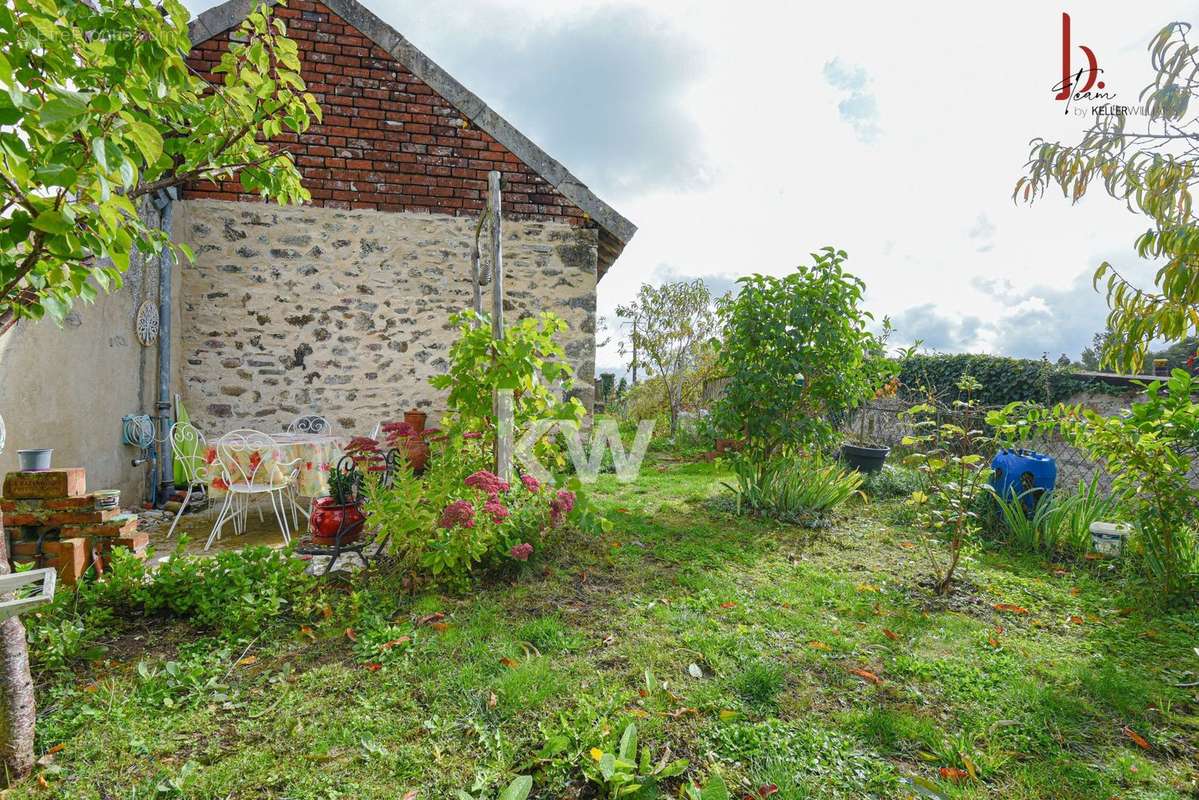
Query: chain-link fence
884, 422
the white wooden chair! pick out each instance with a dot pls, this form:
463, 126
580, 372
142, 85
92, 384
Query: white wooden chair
310, 423
189, 449
250, 465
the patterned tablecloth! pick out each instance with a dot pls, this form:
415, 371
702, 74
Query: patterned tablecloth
312, 453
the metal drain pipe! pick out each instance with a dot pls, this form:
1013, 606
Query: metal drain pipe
164, 201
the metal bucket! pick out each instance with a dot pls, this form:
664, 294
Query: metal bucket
34, 460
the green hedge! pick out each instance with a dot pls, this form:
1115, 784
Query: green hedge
1004, 380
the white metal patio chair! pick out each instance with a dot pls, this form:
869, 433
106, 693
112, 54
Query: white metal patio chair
250, 465
189, 449
310, 423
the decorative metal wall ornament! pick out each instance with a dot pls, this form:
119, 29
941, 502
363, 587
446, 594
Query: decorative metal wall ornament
146, 323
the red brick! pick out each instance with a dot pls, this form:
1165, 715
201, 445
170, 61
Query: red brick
384, 116
69, 482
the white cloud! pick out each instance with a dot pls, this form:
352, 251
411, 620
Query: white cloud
859, 108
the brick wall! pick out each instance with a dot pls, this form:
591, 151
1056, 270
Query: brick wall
387, 142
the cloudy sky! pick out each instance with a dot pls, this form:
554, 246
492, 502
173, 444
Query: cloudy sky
742, 136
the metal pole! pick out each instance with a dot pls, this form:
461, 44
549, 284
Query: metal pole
504, 433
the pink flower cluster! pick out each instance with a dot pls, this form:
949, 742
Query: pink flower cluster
521, 552
561, 505
496, 509
459, 512
488, 482
531, 483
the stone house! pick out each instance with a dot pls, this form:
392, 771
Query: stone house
340, 306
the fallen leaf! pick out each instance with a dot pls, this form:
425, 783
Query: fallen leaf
867, 587
1011, 608
728, 604
954, 774
353, 637
508, 662
436, 616
767, 789
41, 781
409, 795
639, 713
694, 671
867, 675
395, 643
492, 700
326, 611
815, 645
727, 714
973, 770
58, 748
1137, 738
307, 631
440, 627
991, 640
247, 661
374, 666
1077, 620
890, 634
906, 545
1076, 591
679, 712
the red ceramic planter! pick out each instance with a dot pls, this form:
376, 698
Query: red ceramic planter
328, 519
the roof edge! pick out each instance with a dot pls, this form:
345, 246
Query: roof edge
230, 13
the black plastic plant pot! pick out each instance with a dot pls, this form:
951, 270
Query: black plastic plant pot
864, 459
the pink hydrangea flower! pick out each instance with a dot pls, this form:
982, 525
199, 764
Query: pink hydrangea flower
487, 481
459, 512
496, 509
565, 500
531, 483
561, 505
521, 552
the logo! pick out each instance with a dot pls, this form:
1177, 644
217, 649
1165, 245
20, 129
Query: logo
1079, 84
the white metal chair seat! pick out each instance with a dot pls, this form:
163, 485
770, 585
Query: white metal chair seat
250, 464
189, 449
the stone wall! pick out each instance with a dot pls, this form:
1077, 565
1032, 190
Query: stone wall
297, 310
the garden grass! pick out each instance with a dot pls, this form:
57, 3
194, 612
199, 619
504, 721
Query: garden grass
611, 630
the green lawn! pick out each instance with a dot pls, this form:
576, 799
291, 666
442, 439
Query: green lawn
773, 619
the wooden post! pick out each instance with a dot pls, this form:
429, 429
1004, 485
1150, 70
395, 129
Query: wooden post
500, 406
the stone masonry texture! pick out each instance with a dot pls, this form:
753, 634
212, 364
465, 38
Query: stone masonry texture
298, 310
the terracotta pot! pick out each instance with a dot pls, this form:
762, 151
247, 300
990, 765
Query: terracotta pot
417, 451
328, 519
416, 419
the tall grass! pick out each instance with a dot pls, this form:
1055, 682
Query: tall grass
1060, 522
791, 488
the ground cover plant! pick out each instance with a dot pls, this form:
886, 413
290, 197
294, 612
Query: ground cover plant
777, 662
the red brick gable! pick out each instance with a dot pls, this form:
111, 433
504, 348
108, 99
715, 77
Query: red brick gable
388, 141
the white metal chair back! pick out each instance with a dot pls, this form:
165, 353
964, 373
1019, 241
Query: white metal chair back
250, 459
310, 423
190, 450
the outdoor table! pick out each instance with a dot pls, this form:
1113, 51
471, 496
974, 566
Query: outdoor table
309, 454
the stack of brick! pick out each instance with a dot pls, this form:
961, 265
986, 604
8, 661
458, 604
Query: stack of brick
53, 521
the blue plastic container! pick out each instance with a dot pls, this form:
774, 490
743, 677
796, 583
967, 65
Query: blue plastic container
1024, 473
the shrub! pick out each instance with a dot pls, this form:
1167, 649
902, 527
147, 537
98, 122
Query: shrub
890, 482
953, 477
1004, 380
791, 489
1149, 451
797, 354
234, 594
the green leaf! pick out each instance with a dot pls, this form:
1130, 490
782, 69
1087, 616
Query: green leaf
148, 140
628, 743
519, 788
52, 221
65, 111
